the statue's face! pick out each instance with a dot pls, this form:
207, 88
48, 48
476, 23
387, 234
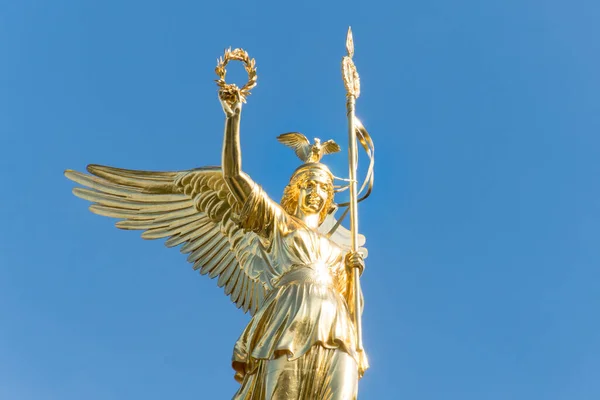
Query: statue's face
313, 195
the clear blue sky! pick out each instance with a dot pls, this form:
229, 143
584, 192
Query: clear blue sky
483, 276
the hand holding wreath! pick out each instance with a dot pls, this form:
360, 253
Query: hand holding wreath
230, 95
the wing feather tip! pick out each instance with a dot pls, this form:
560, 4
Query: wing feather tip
92, 168
75, 176
81, 193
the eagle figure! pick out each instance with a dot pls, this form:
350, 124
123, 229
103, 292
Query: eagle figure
309, 153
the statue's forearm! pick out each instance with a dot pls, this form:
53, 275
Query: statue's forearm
239, 183
354, 263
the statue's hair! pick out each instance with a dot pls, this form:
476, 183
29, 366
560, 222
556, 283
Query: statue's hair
289, 200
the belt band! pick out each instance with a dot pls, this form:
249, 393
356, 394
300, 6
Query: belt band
306, 273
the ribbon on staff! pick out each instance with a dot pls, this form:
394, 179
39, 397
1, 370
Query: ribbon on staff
365, 140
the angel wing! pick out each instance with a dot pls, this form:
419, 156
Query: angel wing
342, 236
330, 147
193, 208
298, 142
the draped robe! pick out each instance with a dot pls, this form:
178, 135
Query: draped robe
301, 343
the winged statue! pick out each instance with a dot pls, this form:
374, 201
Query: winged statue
288, 263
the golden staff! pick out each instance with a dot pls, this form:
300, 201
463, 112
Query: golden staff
352, 84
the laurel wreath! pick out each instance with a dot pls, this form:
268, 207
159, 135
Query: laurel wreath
230, 92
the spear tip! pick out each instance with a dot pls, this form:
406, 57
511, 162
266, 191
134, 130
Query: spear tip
350, 43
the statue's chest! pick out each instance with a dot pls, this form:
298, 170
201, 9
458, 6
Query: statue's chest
304, 246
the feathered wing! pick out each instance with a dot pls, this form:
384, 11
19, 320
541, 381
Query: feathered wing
191, 208
298, 142
330, 147
342, 236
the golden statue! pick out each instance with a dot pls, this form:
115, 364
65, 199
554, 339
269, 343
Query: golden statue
291, 265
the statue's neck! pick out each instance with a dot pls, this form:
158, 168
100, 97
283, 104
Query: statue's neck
311, 220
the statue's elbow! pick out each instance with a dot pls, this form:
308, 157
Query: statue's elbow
230, 180
238, 184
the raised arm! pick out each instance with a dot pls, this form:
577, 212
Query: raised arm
238, 182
